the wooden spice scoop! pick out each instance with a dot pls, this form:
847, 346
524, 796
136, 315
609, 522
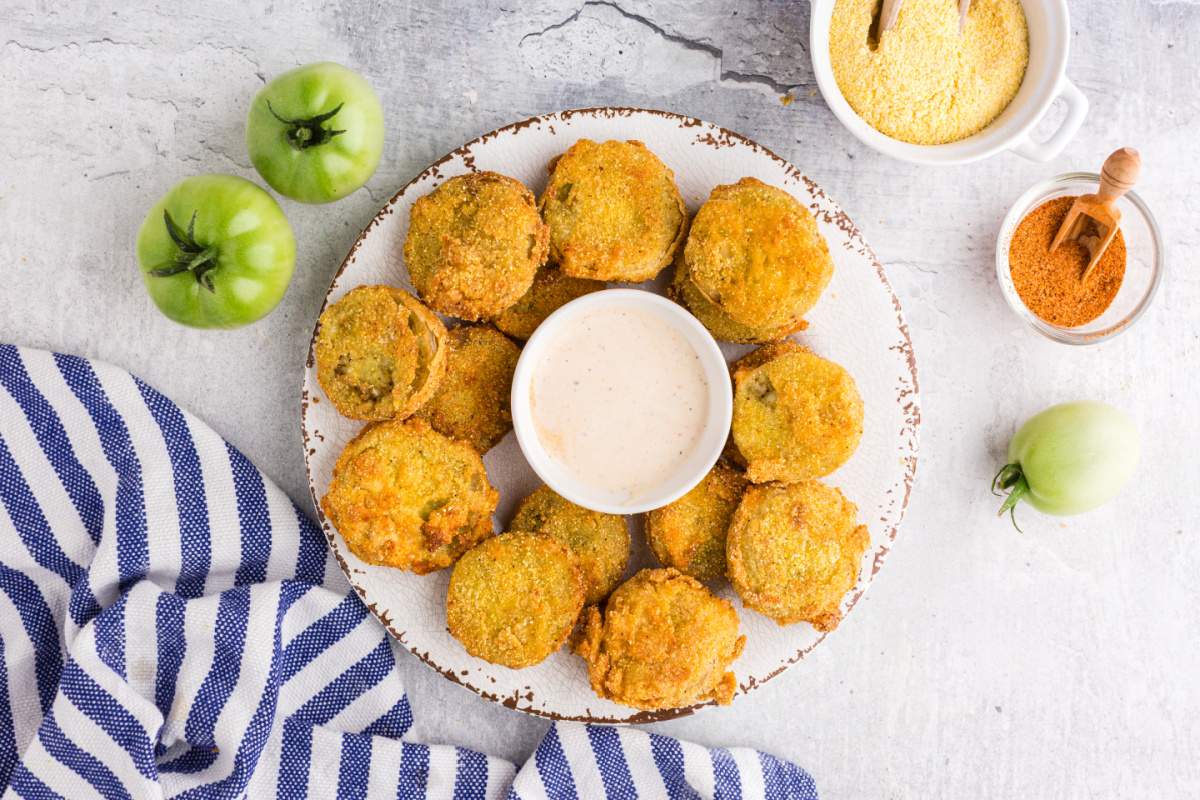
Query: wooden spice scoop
1094, 219
890, 12
888, 15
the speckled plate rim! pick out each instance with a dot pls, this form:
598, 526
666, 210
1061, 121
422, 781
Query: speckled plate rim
908, 396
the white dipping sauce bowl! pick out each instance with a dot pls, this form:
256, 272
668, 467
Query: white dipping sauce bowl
706, 449
1045, 81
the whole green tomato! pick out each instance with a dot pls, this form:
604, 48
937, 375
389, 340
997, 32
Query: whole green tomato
1070, 458
315, 133
216, 252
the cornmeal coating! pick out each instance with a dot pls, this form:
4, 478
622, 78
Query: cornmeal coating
405, 496
474, 244
472, 403
795, 415
600, 542
514, 599
755, 252
551, 290
663, 641
689, 534
930, 79
380, 353
794, 550
722, 326
614, 211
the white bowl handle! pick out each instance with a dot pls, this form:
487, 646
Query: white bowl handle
1077, 108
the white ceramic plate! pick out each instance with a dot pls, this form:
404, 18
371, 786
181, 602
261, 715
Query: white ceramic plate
857, 323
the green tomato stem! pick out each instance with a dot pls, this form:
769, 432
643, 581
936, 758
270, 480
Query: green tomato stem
193, 257
310, 132
1011, 478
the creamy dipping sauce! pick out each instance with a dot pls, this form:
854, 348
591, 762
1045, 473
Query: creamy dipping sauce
620, 400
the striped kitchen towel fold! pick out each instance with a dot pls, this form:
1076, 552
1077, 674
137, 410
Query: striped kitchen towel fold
171, 625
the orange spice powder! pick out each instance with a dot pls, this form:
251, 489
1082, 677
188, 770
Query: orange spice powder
1050, 284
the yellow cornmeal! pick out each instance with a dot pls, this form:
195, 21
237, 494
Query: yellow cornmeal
926, 83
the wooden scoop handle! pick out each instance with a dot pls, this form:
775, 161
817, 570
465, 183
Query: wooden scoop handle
888, 15
1119, 174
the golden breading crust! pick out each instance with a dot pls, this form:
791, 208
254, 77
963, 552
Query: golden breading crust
380, 353
664, 641
599, 541
756, 253
614, 212
474, 244
689, 534
514, 599
405, 496
794, 551
551, 289
472, 403
722, 326
795, 415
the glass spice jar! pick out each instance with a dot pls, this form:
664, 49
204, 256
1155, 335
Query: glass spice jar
1144, 262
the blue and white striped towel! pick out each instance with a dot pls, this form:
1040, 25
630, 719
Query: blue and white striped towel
172, 626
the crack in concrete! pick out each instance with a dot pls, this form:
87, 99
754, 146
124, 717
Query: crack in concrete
246, 54
108, 175
756, 78
29, 48
376, 196
32, 49
927, 268
696, 45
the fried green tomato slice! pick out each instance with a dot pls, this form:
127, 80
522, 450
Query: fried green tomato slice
756, 254
689, 534
663, 641
794, 550
722, 326
614, 212
514, 599
405, 496
599, 541
551, 290
474, 244
380, 353
472, 402
795, 415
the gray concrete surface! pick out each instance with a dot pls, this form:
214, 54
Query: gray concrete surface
983, 663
